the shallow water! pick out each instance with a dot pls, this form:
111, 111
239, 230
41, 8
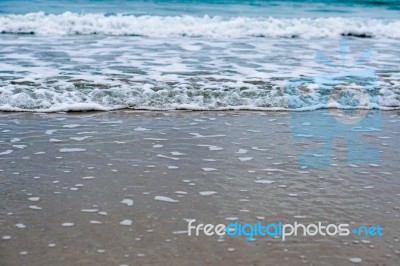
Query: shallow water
103, 73
115, 188
105, 55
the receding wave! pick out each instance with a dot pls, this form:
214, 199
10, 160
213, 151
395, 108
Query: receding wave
168, 26
246, 95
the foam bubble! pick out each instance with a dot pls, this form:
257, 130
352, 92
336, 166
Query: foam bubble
67, 224
33, 198
165, 199
264, 181
355, 260
6, 152
72, 149
207, 193
127, 202
126, 222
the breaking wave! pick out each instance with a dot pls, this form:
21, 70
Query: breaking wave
192, 26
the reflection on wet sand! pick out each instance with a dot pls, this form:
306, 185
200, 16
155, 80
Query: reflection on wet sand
118, 189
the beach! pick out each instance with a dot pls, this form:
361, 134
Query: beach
118, 188
199, 132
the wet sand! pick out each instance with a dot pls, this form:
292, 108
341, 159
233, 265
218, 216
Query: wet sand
68, 181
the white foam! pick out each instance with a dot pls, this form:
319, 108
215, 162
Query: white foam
355, 260
72, 149
245, 159
141, 129
50, 132
242, 151
86, 132
180, 232
255, 81
126, 222
72, 126
19, 146
209, 169
181, 192
198, 135
20, 226
34, 198
211, 147
264, 181
207, 193
80, 138
89, 210
166, 199
232, 95
168, 157
177, 153
67, 224
273, 170
157, 26
88, 177
128, 202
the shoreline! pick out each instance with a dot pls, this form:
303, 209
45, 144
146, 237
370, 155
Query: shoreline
229, 109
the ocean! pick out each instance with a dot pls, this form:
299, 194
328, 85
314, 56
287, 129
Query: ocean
286, 137
199, 55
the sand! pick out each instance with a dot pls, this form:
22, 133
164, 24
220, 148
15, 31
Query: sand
117, 188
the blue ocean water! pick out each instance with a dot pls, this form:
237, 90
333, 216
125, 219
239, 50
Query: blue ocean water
260, 8
201, 55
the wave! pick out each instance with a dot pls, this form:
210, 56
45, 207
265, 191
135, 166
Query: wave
170, 26
268, 96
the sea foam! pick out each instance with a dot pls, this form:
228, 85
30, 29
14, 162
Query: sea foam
167, 26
